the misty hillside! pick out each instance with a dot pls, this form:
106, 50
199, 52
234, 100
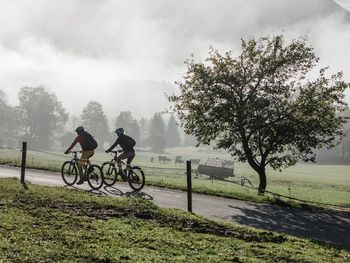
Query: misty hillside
116, 48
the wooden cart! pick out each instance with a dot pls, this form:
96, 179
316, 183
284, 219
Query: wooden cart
217, 168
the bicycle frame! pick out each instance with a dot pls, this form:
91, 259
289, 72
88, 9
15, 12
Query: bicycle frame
75, 159
92, 172
114, 160
133, 174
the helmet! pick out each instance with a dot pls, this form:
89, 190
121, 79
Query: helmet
119, 131
79, 129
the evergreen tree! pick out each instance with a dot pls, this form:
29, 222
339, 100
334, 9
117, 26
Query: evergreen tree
143, 123
157, 125
156, 138
172, 133
130, 125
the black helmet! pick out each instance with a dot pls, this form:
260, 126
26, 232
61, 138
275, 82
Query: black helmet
79, 129
119, 131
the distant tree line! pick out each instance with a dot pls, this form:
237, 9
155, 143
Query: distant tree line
41, 120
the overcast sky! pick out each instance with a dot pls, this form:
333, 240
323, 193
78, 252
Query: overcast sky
127, 54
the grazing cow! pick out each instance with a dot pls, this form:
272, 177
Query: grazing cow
178, 159
163, 159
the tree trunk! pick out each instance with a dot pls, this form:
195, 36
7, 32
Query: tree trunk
262, 179
259, 168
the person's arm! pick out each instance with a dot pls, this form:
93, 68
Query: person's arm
113, 146
73, 144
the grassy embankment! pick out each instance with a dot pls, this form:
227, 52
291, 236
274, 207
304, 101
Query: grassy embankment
311, 182
45, 224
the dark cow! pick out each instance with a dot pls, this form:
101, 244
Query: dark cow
178, 159
163, 159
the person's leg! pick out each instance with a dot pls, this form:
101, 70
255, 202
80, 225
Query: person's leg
81, 164
127, 155
122, 156
130, 156
119, 162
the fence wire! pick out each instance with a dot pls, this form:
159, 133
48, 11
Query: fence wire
242, 183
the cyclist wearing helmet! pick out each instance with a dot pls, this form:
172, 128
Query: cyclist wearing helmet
87, 150
127, 144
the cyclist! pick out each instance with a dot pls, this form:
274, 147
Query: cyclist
88, 145
127, 144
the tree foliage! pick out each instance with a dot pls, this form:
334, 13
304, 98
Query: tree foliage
259, 106
10, 122
42, 116
129, 123
172, 133
94, 120
157, 124
156, 137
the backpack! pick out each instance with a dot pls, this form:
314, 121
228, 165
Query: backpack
90, 142
130, 141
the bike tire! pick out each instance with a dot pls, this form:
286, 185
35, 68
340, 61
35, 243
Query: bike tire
95, 177
109, 174
136, 178
69, 173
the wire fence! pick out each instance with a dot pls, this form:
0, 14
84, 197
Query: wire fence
243, 182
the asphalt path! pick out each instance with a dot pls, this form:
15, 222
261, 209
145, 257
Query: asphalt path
331, 226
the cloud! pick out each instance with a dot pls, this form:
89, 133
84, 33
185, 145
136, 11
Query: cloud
126, 54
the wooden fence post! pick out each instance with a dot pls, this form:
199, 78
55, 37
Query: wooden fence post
24, 157
189, 186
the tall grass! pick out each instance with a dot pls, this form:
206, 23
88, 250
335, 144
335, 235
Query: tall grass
323, 184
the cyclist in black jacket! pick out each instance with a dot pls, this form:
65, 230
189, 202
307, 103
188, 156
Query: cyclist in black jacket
127, 144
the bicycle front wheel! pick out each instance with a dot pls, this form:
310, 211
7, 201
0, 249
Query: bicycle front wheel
136, 178
69, 173
109, 174
94, 177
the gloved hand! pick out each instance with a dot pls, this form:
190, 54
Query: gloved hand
107, 151
66, 152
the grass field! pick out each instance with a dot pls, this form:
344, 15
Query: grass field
325, 184
45, 224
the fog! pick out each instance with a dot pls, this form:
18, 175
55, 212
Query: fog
127, 54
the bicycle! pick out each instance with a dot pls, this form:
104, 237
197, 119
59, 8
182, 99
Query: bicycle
92, 172
134, 176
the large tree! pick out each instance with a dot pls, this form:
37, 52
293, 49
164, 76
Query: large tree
259, 106
42, 116
94, 120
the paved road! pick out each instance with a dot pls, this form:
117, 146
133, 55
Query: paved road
329, 226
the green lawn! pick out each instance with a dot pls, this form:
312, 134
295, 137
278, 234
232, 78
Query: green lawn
329, 184
45, 224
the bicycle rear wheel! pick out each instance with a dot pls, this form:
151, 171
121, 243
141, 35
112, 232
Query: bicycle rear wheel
94, 177
69, 173
109, 174
136, 178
